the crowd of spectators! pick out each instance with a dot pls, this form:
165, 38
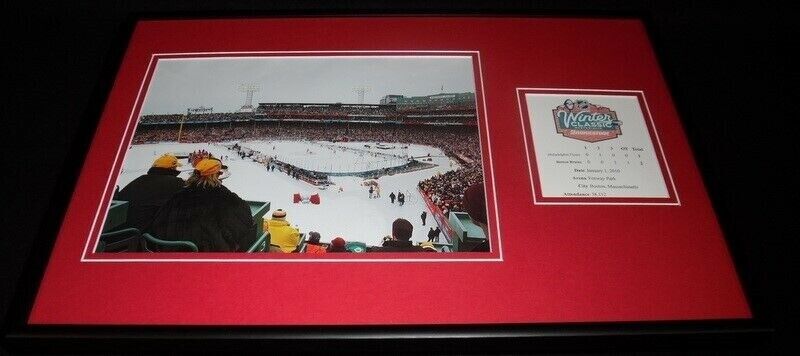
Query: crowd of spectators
324, 110
460, 142
219, 117
189, 133
440, 120
444, 109
440, 114
446, 190
196, 118
161, 119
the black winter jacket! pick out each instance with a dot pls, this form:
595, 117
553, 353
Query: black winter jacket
215, 219
147, 193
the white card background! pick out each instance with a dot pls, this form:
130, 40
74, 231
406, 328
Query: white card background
573, 168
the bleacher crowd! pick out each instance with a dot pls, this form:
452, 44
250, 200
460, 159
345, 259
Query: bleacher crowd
323, 110
195, 118
459, 141
446, 190
451, 114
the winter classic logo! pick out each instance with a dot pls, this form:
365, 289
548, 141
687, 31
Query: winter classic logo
585, 121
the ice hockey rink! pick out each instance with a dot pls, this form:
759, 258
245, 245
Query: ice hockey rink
348, 213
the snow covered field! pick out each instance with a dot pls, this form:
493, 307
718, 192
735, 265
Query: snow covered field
349, 213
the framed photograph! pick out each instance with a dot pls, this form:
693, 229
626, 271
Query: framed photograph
352, 153
388, 177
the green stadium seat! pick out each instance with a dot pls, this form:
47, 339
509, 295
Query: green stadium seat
258, 209
125, 240
262, 244
183, 246
468, 234
302, 245
117, 215
355, 246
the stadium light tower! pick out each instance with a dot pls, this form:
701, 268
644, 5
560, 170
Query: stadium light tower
360, 91
248, 89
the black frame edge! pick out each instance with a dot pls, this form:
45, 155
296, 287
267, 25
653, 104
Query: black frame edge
19, 336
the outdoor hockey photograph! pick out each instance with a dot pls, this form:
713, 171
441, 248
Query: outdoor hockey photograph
303, 154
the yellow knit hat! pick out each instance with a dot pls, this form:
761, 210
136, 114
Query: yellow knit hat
166, 161
208, 167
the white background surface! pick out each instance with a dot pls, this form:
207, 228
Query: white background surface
640, 168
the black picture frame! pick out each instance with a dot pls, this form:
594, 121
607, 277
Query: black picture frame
445, 339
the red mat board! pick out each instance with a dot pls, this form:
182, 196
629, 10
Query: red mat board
595, 259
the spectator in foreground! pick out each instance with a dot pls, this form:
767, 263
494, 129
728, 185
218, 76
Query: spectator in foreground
401, 238
282, 234
338, 245
313, 245
206, 213
147, 193
475, 205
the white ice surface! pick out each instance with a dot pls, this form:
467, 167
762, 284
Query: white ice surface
349, 214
